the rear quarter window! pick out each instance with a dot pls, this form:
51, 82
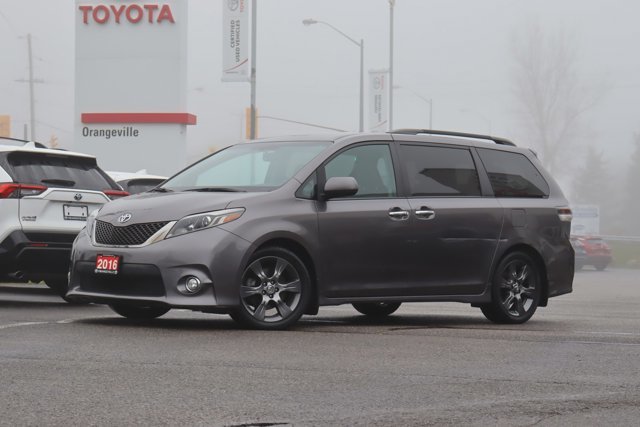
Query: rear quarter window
58, 171
512, 174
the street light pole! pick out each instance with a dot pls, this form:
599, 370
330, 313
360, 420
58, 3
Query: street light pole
392, 4
252, 126
360, 44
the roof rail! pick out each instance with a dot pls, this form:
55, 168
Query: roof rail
500, 141
24, 142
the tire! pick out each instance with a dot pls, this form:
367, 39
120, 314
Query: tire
515, 290
376, 309
59, 286
138, 313
600, 267
275, 290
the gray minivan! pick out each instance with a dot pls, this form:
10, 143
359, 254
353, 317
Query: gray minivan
270, 230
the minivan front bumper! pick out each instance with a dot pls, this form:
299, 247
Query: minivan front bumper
151, 275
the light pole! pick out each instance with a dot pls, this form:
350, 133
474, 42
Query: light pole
392, 4
427, 100
360, 44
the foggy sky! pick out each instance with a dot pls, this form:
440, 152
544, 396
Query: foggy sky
455, 52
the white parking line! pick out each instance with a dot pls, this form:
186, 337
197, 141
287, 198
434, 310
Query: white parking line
16, 325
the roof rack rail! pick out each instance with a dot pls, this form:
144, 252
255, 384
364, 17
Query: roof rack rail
24, 142
500, 141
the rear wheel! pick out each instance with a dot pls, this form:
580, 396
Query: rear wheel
600, 266
274, 291
137, 312
516, 290
376, 309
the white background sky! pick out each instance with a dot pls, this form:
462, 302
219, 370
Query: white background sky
456, 52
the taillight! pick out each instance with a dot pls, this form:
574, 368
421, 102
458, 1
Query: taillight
115, 194
16, 191
565, 214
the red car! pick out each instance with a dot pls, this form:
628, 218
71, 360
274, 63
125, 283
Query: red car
597, 252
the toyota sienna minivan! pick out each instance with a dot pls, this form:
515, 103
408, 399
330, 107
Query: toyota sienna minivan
270, 230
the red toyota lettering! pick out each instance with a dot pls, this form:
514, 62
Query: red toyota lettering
165, 14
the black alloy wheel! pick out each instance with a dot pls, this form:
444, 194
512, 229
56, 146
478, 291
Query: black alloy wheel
516, 290
138, 313
274, 291
376, 309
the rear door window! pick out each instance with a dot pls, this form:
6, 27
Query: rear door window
439, 171
512, 174
58, 171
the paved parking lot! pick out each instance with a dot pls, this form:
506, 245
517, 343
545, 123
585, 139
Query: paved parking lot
577, 362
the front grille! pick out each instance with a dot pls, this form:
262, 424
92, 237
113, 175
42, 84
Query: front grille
134, 234
135, 280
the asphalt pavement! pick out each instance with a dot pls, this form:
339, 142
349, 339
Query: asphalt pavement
577, 362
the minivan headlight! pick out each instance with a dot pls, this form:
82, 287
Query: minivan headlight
91, 222
205, 220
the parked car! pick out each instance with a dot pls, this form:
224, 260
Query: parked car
595, 252
136, 182
270, 230
580, 252
45, 198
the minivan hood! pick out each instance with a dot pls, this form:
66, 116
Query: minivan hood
156, 207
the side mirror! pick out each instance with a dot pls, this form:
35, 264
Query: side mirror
339, 186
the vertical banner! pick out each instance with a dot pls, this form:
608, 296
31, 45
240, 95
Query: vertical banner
5, 126
235, 40
378, 100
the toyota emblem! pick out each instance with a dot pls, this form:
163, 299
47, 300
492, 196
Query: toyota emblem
78, 197
124, 218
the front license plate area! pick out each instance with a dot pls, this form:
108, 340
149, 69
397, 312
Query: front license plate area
75, 212
107, 264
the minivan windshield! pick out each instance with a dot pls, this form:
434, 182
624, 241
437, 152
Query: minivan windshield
258, 166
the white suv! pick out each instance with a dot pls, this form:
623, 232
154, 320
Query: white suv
45, 198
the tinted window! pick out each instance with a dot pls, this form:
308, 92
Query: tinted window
512, 174
370, 165
439, 171
255, 166
58, 171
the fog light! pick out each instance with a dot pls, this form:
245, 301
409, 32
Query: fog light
193, 285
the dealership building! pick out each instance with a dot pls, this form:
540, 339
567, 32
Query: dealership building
130, 84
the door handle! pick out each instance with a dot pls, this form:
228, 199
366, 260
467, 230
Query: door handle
425, 213
398, 214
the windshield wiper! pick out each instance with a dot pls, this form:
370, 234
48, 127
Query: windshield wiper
64, 182
160, 190
217, 189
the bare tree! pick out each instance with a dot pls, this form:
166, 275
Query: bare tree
549, 93
591, 183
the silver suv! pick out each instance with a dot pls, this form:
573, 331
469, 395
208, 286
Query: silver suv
45, 199
271, 230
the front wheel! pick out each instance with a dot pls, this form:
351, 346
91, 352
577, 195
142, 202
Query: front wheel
138, 313
275, 289
59, 286
516, 290
376, 309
